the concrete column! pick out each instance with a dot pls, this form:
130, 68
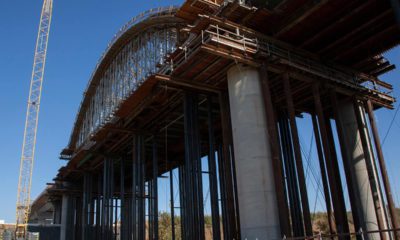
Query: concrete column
258, 208
66, 216
57, 211
358, 169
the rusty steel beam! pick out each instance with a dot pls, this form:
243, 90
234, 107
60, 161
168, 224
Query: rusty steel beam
87, 208
182, 201
187, 84
193, 172
141, 203
154, 193
133, 217
275, 152
306, 10
342, 39
297, 153
232, 217
325, 184
369, 159
123, 205
292, 192
346, 162
213, 171
98, 207
341, 20
369, 42
172, 203
331, 166
382, 165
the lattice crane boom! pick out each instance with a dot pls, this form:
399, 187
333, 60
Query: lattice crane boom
31, 122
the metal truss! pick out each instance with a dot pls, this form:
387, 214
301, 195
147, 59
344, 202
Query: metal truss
110, 85
31, 123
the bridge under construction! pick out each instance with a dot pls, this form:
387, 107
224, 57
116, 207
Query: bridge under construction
207, 98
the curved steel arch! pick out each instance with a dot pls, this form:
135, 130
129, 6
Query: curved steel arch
132, 55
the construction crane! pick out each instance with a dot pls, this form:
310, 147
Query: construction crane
31, 122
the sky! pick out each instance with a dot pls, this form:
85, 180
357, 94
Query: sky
80, 32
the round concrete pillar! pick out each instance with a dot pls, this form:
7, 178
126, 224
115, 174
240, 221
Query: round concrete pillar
258, 208
358, 169
65, 215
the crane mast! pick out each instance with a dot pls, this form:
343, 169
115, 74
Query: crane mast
31, 122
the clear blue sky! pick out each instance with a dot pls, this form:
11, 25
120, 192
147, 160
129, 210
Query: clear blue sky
80, 32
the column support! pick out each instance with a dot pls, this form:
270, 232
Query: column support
325, 184
331, 167
292, 182
193, 172
369, 159
297, 153
66, 212
258, 206
382, 165
124, 209
230, 205
270, 115
86, 205
354, 160
154, 197
212, 171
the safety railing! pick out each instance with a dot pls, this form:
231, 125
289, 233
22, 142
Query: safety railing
234, 38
